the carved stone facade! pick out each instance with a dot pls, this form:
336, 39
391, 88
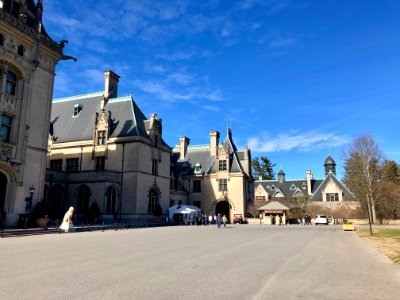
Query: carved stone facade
105, 153
28, 57
215, 177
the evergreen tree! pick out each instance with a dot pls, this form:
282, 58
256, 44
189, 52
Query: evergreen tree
263, 167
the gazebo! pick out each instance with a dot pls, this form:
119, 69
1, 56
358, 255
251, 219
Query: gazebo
273, 213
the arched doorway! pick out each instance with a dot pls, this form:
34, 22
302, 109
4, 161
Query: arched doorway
222, 208
111, 208
57, 208
153, 202
3, 189
82, 200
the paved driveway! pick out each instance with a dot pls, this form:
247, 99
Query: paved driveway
239, 262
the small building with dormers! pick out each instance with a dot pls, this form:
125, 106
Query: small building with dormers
215, 177
103, 151
28, 58
328, 192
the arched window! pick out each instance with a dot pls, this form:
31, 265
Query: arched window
56, 202
21, 50
82, 203
153, 201
111, 201
11, 83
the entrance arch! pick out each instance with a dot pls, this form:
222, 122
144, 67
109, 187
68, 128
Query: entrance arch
223, 208
82, 200
3, 189
56, 202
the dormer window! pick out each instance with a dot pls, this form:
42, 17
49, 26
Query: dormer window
77, 109
292, 187
184, 168
273, 187
222, 165
197, 168
304, 186
101, 137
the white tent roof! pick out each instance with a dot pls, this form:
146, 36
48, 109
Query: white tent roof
183, 209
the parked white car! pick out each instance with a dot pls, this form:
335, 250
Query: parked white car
321, 219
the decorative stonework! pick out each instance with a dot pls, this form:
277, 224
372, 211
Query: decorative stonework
8, 170
10, 20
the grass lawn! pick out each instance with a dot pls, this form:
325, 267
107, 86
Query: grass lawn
386, 241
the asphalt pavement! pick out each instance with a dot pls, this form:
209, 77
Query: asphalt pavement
197, 262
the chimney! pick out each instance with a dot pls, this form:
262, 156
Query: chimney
309, 177
184, 144
214, 141
110, 86
260, 178
246, 159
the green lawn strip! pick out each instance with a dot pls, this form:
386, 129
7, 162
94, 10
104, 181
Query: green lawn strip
383, 233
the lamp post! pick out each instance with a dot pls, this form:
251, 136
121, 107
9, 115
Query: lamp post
31, 191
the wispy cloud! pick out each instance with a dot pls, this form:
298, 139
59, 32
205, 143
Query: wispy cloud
306, 141
281, 42
168, 93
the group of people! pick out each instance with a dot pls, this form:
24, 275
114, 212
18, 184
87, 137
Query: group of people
306, 220
203, 219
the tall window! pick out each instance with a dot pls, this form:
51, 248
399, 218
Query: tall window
222, 165
72, 165
154, 169
111, 201
196, 186
6, 126
12, 6
101, 137
56, 164
21, 50
223, 185
83, 200
153, 200
330, 197
11, 83
100, 163
197, 204
1, 40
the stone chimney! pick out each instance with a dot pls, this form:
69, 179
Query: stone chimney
309, 177
214, 141
260, 178
110, 86
184, 144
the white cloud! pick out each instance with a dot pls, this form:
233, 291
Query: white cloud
306, 141
181, 78
212, 108
282, 42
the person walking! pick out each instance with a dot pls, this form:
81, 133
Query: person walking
218, 221
224, 220
210, 219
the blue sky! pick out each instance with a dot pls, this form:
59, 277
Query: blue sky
298, 79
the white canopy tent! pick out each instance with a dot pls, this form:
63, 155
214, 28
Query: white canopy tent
189, 211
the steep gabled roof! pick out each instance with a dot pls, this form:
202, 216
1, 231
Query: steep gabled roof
317, 195
126, 117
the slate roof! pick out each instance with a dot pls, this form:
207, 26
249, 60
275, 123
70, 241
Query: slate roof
317, 195
289, 187
201, 154
127, 118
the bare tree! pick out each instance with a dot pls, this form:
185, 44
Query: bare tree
363, 162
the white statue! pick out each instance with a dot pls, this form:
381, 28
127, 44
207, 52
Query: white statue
67, 220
